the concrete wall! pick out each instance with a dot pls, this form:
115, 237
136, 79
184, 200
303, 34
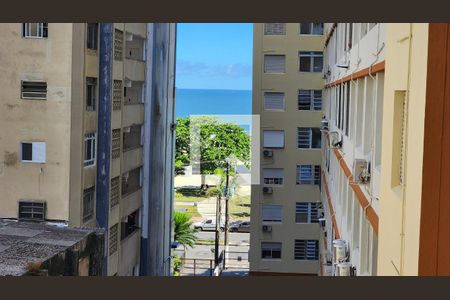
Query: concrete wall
406, 69
287, 158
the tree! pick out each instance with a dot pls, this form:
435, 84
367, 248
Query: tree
217, 141
184, 233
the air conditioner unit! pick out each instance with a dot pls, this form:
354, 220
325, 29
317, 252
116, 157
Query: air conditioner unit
361, 171
322, 222
268, 153
324, 124
267, 190
335, 139
267, 228
345, 269
340, 253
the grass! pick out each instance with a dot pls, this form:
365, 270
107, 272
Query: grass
239, 207
189, 195
189, 209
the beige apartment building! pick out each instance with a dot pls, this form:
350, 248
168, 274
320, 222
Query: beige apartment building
74, 100
386, 131
287, 97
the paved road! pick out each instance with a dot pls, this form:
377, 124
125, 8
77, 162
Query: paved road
235, 238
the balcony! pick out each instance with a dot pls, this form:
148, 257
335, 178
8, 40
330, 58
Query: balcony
132, 159
130, 203
134, 69
132, 114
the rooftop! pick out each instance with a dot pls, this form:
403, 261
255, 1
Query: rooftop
22, 243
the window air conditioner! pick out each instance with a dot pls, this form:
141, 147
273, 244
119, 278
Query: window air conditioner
268, 153
340, 252
361, 171
267, 228
335, 140
324, 124
267, 190
345, 269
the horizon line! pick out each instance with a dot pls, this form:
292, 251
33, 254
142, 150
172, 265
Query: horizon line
182, 88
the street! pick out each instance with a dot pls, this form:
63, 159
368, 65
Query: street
234, 238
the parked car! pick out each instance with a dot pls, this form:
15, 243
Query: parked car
240, 226
208, 224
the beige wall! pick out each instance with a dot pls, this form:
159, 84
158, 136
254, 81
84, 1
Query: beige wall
287, 158
36, 120
406, 69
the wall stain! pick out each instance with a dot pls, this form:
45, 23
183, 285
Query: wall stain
10, 158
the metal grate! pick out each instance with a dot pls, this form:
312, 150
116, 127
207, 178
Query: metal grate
115, 191
32, 211
113, 233
274, 28
115, 143
308, 174
117, 94
310, 99
306, 212
118, 45
88, 203
34, 90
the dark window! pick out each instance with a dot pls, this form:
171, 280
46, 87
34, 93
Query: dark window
27, 151
32, 211
88, 203
92, 36
309, 138
34, 90
35, 30
91, 93
131, 224
347, 108
113, 232
311, 61
306, 212
131, 181
270, 250
306, 250
310, 99
311, 28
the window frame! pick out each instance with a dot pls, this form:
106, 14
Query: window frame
41, 31
273, 181
306, 252
89, 37
275, 220
88, 215
34, 146
284, 31
310, 131
313, 180
89, 162
311, 209
264, 64
311, 55
29, 82
273, 131
270, 246
32, 205
272, 92
91, 82
312, 99
311, 29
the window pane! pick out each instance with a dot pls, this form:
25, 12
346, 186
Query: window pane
317, 28
318, 63
304, 99
27, 152
305, 64
305, 28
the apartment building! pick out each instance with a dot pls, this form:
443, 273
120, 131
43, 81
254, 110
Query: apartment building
386, 126
287, 97
77, 101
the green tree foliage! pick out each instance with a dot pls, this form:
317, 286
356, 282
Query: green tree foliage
218, 141
184, 233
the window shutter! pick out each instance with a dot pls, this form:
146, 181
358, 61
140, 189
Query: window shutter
304, 136
272, 213
274, 63
273, 173
275, 28
273, 138
39, 152
273, 101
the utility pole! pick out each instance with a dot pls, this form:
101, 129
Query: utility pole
216, 242
227, 197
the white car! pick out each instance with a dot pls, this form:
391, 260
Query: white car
208, 224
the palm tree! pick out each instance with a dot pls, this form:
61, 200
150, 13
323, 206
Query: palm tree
184, 233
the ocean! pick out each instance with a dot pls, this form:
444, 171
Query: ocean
212, 102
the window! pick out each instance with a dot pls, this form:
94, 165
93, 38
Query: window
32, 211
274, 63
35, 30
310, 99
311, 28
273, 138
308, 174
270, 250
132, 137
399, 137
306, 212
311, 61
130, 224
34, 90
115, 191
274, 28
117, 94
273, 176
347, 108
115, 143
272, 213
33, 152
92, 36
91, 93
309, 138
113, 232
306, 250
274, 101
89, 149
88, 203
118, 45
131, 181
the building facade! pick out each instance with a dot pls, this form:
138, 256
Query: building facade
287, 97
76, 100
386, 108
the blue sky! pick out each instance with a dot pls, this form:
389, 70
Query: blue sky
214, 56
